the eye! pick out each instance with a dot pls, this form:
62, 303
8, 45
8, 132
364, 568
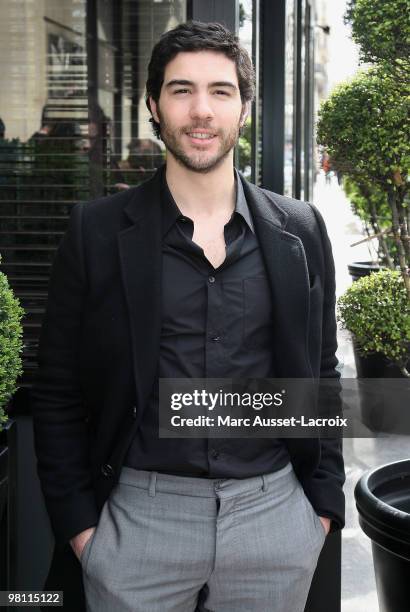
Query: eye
180, 91
220, 91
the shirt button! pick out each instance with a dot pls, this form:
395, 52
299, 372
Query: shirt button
216, 338
107, 470
214, 453
211, 279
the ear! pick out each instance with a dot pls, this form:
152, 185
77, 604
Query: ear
245, 112
153, 106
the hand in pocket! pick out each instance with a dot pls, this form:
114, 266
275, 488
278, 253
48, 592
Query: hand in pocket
326, 523
79, 541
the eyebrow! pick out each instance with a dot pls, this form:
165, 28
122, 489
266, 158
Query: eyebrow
213, 84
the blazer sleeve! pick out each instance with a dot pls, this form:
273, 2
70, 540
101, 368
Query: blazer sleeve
329, 477
59, 416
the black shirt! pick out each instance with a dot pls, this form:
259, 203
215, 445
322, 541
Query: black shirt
216, 323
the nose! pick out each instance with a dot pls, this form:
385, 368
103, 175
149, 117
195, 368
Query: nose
201, 107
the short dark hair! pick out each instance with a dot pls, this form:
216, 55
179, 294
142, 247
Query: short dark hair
197, 36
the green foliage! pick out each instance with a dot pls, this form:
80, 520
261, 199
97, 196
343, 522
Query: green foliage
349, 11
364, 126
381, 28
245, 148
376, 310
11, 344
242, 15
369, 203
366, 197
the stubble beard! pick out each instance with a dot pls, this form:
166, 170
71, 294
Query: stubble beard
200, 161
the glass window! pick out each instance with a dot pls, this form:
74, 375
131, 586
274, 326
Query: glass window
290, 102
244, 148
74, 124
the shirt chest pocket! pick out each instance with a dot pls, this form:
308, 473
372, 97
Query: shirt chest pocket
257, 313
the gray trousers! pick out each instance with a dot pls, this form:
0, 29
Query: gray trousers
243, 544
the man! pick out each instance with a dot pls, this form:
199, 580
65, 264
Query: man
194, 274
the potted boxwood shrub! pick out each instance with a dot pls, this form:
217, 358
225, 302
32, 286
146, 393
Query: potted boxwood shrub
363, 128
11, 345
376, 310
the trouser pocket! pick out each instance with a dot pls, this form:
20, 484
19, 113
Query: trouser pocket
86, 552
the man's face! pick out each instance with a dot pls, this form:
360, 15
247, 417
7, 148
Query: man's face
199, 109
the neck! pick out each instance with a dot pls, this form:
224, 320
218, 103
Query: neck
202, 194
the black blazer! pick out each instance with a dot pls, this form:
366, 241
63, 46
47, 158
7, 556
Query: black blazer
100, 341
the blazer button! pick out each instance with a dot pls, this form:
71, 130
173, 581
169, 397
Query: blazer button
134, 412
107, 470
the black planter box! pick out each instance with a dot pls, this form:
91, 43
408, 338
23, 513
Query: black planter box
8, 506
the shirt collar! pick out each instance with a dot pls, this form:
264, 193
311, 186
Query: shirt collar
171, 212
241, 205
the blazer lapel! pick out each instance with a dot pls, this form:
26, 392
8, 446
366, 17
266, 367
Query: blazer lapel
140, 259
287, 271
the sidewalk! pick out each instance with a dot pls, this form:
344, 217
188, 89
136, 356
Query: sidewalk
360, 454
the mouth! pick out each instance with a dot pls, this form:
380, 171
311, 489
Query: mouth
202, 138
